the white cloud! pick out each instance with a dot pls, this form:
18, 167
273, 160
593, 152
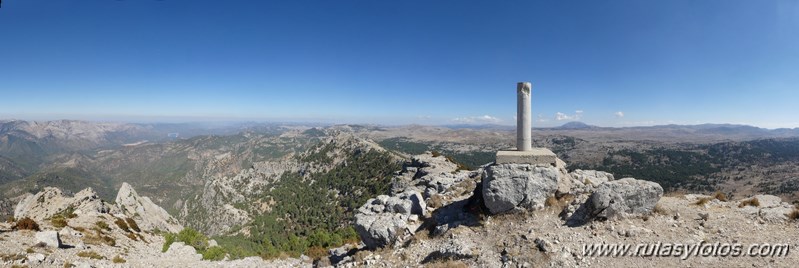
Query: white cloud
542, 119
477, 119
576, 116
619, 114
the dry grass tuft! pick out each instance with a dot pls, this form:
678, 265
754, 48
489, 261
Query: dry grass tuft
27, 224
91, 255
102, 225
702, 201
122, 225
118, 259
58, 221
133, 225
720, 196
447, 264
551, 201
660, 210
750, 202
436, 201
99, 238
132, 236
678, 193
794, 215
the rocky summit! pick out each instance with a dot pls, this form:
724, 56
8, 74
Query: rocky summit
514, 215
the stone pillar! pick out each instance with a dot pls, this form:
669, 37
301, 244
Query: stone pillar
524, 126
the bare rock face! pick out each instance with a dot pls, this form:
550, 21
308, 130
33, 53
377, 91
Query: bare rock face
52, 201
149, 215
518, 186
620, 199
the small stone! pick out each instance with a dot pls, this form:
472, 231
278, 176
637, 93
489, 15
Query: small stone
544, 245
36, 258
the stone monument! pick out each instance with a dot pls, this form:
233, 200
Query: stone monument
525, 153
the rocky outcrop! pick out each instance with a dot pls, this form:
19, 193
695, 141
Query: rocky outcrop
429, 175
149, 215
427, 164
51, 201
382, 220
767, 208
518, 186
619, 199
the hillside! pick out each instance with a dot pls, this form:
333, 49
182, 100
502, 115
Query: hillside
294, 191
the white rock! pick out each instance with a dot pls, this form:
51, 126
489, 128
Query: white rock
49, 238
36, 258
510, 186
380, 230
618, 199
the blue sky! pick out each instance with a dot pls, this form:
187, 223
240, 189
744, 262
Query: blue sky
608, 63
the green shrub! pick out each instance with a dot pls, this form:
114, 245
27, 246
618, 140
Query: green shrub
215, 253
193, 238
58, 221
188, 236
169, 238
102, 225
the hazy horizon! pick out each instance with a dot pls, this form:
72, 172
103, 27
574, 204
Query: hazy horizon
312, 122
613, 64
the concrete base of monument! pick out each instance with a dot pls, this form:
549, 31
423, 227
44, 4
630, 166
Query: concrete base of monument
536, 156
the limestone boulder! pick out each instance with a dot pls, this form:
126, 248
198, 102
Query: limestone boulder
623, 198
181, 250
382, 220
380, 230
518, 186
591, 178
418, 205
49, 238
